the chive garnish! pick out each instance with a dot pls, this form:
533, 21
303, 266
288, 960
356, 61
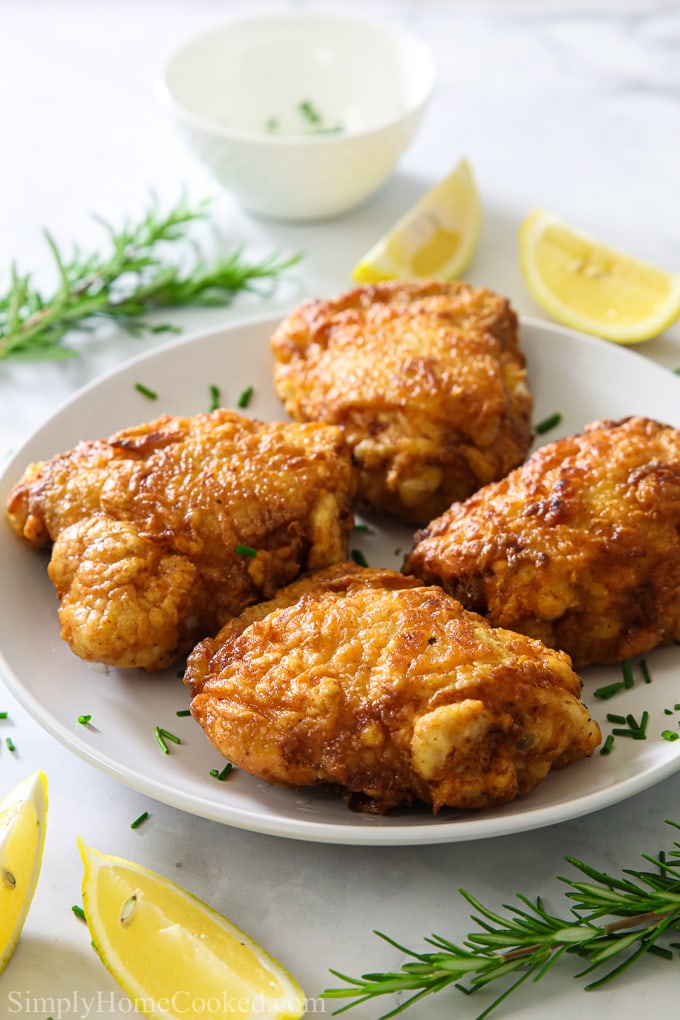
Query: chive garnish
309, 112
608, 744
646, 675
668, 711
364, 527
223, 774
145, 391
78, 911
138, 821
84, 719
359, 557
160, 741
10, 744
615, 718
183, 711
167, 735
245, 397
609, 691
636, 730
548, 423
627, 670
4, 715
670, 735
245, 550
214, 397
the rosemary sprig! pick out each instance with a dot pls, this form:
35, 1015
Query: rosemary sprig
133, 278
528, 942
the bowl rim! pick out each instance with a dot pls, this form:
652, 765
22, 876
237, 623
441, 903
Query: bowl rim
272, 140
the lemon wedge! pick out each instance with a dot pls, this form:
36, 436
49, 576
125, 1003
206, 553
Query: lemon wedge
583, 283
435, 239
23, 815
174, 956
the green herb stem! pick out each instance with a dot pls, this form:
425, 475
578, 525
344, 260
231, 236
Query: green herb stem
126, 284
528, 941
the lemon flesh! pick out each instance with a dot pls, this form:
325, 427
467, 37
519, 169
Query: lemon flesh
173, 955
436, 239
583, 283
23, 814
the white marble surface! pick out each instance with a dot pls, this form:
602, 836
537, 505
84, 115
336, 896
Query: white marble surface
572, 106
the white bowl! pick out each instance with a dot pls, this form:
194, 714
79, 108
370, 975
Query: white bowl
246, 96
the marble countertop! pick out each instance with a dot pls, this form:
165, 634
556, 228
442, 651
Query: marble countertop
570, 106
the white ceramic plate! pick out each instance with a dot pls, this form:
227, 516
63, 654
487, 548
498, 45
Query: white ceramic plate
580, 377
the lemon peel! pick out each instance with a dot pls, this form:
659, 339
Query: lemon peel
23, 817
582, 282
172, 954
435, 239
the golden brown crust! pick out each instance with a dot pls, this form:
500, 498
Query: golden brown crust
426, 378
370, 682
145, 527
579, 547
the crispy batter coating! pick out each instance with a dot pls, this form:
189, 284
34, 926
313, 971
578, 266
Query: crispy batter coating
370, 682
145, 527
579, 547
425, 377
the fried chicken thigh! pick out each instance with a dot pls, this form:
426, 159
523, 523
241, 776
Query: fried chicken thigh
427, 380
145, 527
579, 547
368, 681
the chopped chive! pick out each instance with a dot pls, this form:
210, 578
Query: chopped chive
138, 821
78, 911
548, 423
224, 773
160, 741
359, 557
145, 391
84, 719
608, 744
615, 718
618, 732
167, 735
214, 397
646, 675
364, 527
245, 550
4, 715
397, 551
668, 711
10, 744
183, 711
245, 397
609, 691
677, 707
670, 735
214, 772
627, 670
